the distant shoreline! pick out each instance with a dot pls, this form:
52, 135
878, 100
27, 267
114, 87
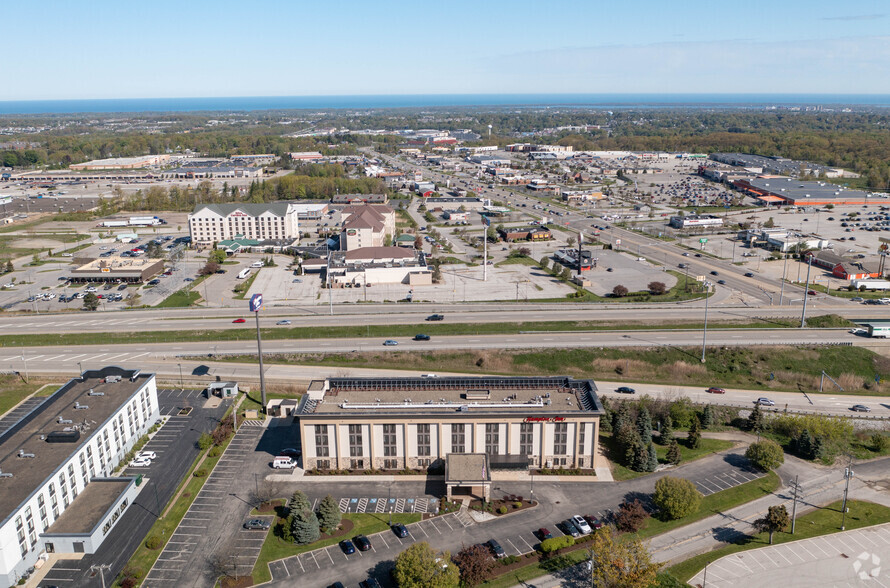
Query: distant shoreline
595, 101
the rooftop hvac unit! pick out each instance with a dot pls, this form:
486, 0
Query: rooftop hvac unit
79, 406
72, 436
5, 474
94, 393
24, 455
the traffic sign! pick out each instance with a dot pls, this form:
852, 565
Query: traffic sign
617, 241
256, 302
703, 240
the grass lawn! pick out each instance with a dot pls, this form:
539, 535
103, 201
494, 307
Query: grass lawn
620, 473
823, 521
243, 288
179, 299
523, 260
13, 390
364, 524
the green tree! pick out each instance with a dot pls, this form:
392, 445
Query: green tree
652, 463
707, 416
820, 449
474, 563
755, 420
544, 263
765, 454
667, 431
329, 513
619, 291
693, 441
420, 566
879, 442
304, 527
9, 266
620, 564
776, 519
566, 274
673, 454
299, 501
90, 301
770, 223
217, 255
803, 445
676, 497
644, 426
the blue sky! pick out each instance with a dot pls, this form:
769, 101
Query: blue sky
159, 48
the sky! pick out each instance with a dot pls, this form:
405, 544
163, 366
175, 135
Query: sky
77, 49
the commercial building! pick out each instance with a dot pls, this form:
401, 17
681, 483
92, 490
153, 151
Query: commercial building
696, 220
780, 165
210, 223
456, 215
56, 493
307, 156
525, 234
783, 240
118, 269
122, 162
449, 202
359, 199
783, 191
373, 266
396, 423
842, 267
366, 225
574, 196
311, 211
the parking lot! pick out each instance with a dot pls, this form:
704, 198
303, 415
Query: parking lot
384, 504
852, 558
726, 480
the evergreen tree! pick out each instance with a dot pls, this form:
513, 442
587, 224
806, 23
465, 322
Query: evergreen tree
304, 527
673, 454
653, 459
804, 445
667, 431
755, 419
622, 416
820, 449
644, 426
328, 513
299, 502
641, 459
694, 439
707, 417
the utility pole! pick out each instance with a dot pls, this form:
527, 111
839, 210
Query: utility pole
101, 569
803, 316
704, 337
795, 487
782, 292
848, 474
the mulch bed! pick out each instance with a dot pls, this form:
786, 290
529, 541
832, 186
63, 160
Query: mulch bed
496, 504
239, 582
270, 507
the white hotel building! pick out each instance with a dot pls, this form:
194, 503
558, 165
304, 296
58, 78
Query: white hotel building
56, 490
211, 223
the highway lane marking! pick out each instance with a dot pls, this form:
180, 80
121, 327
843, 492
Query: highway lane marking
54, 357
73, 357
113, 356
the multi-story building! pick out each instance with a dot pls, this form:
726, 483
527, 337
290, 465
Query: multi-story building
56, 493
211, 223
396, 423
366, 225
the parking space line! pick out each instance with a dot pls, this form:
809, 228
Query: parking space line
329, 555
315, 560
422, 529
445, 520
435, 527
530, 548
513, 546
384, 540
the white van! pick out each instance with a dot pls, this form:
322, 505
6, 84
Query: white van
257, 264
283, 462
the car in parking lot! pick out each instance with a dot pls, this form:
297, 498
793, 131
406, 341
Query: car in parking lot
716, 390
436, 317
362, 542
154, 282
421, 337
257, 525
594, 522
140, 462
582, 525
146, 455
390, 342
496, 549
290, 452
860, 408
570, 528
764, 402
544, 534
239, 320
400, 530
347, 547
283, 322
625, 390
369, 583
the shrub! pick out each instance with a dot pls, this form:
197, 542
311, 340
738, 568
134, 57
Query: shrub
214, 451
199, 473
205, 441
631, 516
517, 505
502, 510
879, 442
676, 497
153, 542
510, 559
619, 291
557, 543
765, 454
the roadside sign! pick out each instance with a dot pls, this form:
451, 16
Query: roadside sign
699, 278
486, 221
256, 302
703, 240
617, 241
883, 239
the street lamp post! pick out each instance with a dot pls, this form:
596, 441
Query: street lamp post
101, 569
806, 293
848, 474
256, 303
704, 338
180, 375
782, 291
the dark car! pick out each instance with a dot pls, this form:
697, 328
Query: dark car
154, 282
570, 528
362, 542
369, 583
421, 337
290, 452
860, 408
715, 273
400, 530
544, 534
257, 525
721, 282
436, 317
496, 549
715, 390
749, 275
122, 287
347, 547
337, 585
625, 390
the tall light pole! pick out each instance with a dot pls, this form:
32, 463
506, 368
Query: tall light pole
704, 337
486, 223
101, 569
848, 474
180, 375
806, 293
256, 303
784, 268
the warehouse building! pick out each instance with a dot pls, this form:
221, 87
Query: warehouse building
56, 493
210, 223
416, 423
782, 191
696, 220
132, 270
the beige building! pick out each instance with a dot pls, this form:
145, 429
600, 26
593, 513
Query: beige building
366, 225
122, 162
212, 223
396, 423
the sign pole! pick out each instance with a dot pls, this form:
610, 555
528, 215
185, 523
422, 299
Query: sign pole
486, 223
256, 302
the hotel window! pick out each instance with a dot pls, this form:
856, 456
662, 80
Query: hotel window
322, 447
389, 441
560, 438
90, 461
492, 438
356, 464
390, 464
423, 439
581, 430
355, 441
53, 500
41, 507
526, 438
83, 470
72, 480
20, 531
458, 439
64, 488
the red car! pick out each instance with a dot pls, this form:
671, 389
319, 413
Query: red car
594, 522
714, 390
239, 321
811, 292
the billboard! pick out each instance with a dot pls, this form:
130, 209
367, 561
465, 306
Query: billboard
256, 302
